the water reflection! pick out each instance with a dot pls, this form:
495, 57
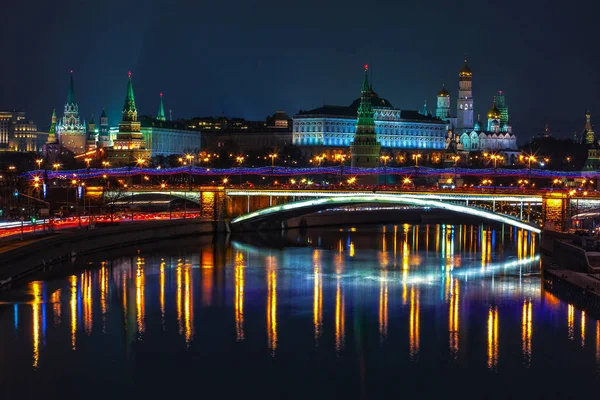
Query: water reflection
272, 303
317, 296
346, 288
238, 300
492, 333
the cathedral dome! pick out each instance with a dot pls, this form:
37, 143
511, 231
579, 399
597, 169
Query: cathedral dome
443, 92
494, 113
477, 127
376, 101
465, 71
495, 124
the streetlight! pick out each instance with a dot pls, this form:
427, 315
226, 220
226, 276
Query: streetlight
140, 162
385, 159
240, 160
56, 166
273, 156
39, 162
87, 161
190, 160
105, 164
416, 158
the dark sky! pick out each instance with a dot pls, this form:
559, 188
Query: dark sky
250, 58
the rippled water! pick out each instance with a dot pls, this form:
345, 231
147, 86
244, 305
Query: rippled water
362, 312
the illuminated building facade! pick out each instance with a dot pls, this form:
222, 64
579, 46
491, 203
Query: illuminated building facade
19, 134
331, 129
70, 129
129, 145
169, 137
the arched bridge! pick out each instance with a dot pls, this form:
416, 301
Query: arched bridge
303, 207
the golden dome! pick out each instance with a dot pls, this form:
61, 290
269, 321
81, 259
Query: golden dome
443, 92
494, 113
465, 70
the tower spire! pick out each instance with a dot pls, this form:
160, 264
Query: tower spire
365, 86
161, 110
71, 93
129, 109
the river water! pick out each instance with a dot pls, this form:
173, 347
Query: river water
357, 312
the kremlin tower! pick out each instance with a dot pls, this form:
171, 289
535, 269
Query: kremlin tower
161, 110
71, 131
129, 145
104, 131
442, 110
464, 104
365, 148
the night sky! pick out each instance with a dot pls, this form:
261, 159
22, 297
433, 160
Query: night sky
251, 58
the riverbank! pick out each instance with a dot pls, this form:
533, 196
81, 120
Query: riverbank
571, 268
22, 261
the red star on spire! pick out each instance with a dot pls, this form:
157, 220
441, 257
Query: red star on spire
366, 67
129, 74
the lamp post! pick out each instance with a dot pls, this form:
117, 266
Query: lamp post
385, 159
341, 158
416, 158
455, 158
190, 161
240, 160
39, 162
140, 162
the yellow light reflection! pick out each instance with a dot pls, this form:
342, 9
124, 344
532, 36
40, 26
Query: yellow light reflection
340, 318
526, 331
413, 324
73, 305
179, 299
162, 295
582, 328
104, 294
571, 321
317, 295
598, 341
207, 277
453, 317
493, 338
56, 309
239, 295
36, 334
86, 286
272, 304
383, 306
139, 297
188, 302
351, 250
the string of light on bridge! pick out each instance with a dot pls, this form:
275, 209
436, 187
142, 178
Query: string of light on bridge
88, 173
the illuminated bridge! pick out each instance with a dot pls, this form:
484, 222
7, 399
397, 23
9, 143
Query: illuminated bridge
252, 207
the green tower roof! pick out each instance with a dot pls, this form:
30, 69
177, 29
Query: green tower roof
53, 123
161, 110
365, 85
71, 94
103, 115
92, 120
129, 109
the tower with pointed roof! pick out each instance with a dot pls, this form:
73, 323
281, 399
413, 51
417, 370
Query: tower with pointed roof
590, 137
52, 131
464, 104
501, 104
365, 148
70, 129
92, 137
104, 131
129, 145
442, 110
161, 110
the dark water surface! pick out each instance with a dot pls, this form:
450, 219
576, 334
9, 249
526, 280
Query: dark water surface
397, 310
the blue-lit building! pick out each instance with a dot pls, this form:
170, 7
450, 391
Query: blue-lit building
331, 129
